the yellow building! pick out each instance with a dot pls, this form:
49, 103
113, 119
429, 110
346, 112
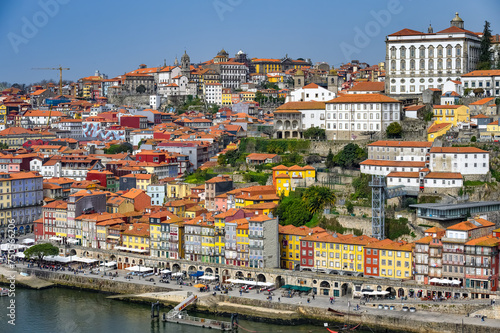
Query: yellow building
395, 260
3, 116
117, 204
453, 114
493, 127
242, 245
5, 200
289, 240
209, 252
226, 98
286, 179
136, 236
437, 130
178, 190
178, 207
142, 180
247, 96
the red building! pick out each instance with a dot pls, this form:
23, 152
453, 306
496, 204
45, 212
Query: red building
139, 122
38, 229
307, 251
481, 263
100, 176
161, 135
154, 157
371, 258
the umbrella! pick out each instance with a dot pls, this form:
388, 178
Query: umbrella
199, 285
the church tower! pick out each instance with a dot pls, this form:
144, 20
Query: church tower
298, 79
333, 81
457, 22
185, 65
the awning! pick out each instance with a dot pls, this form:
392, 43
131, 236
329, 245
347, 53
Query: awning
20, 255
207, 277
165, 271
197, 274
109, 264
28, 241
435, 280
73, 241
178, 274
139, 269
297, 288
113, 237
10, 247
55, 238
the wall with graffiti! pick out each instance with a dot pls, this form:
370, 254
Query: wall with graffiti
96, 131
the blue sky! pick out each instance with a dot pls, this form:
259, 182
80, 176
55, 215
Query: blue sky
116, 36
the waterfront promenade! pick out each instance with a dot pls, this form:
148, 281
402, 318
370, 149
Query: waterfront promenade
343, 304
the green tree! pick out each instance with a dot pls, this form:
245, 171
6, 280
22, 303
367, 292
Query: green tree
233, 156
485, 48
312, 159
394, 130
349, 206
121, 148
259, 97
41, 250
473, 139
293, 211
318, 197
141, 89
222, 160
329, 159
350, 156
315, 133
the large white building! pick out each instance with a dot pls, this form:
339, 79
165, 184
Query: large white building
411, 151
352, 115
311, 92
416, 61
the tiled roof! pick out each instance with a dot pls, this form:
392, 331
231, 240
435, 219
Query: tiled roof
483, 101
490, 72
457, 150
411, 144
444, 175
312, 105
438, 127
405, 164
363, 98
368, 86
403, 174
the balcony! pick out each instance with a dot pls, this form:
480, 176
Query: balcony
453, 250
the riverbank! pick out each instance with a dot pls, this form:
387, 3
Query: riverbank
447, 317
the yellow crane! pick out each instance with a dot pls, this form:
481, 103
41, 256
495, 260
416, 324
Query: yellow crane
60, 69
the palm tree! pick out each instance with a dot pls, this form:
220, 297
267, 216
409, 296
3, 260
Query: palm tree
318, 197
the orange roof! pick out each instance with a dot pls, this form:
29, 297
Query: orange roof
479, 115
403, 174
363, 98
368, 86
310, 86
137, 229
438, 127
406, 164
484, 241
407, 32
38, 92
483, 101
312, 105
446, 106
417, 144
493, 123
444, 175
57, 204
490, 72
457, 150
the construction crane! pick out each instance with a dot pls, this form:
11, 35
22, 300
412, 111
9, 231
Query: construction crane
60, 69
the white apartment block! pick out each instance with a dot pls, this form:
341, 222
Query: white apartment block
311, 92
213, 93
352, 115
416, 61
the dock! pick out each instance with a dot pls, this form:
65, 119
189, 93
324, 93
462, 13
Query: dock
179, 315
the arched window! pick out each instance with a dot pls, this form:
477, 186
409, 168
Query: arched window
458, 51
431, 64
458, 63
449, 49
422, 64
422, 51
431, 51
393, 65
402, 51
403, 65
393, 52
440, 64
412, 65
440, 51
412, 52
448, 63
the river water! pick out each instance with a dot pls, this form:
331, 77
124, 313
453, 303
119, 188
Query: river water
61, 310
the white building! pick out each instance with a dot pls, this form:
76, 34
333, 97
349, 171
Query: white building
74, 126
213, 93
463, 160
138, 135
383, 168
232, 74
51, 168
157, 193
311, 92
443, 180
414, 151
488, 80
155, 101
417, 61
453, 85
350, 115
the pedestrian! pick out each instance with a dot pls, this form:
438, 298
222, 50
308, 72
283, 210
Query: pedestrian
308, 300
482, 318
241, 292
313, 297
279, 299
